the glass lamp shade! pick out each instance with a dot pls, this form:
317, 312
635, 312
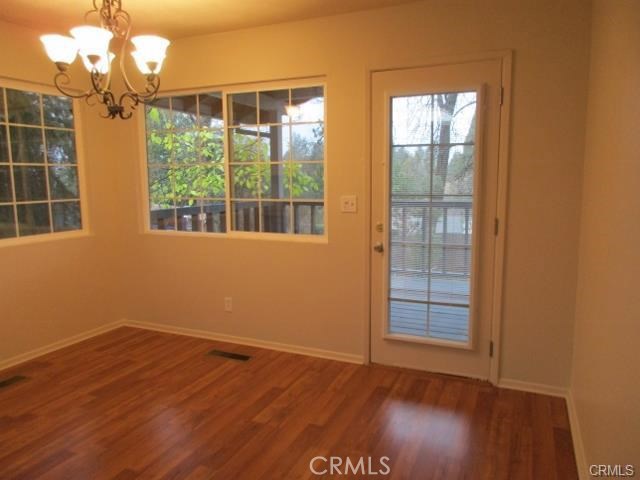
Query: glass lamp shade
60, 49
102, 65
143, 66
92, 40
150, 52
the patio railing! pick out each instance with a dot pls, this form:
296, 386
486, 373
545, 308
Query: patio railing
431, 236
307, 217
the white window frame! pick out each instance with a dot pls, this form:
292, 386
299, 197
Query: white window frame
85, 231
226, 90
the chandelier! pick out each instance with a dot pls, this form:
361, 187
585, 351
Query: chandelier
92, 44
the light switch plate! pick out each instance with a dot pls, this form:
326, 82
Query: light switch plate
348, 204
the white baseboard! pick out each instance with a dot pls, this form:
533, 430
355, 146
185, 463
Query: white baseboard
252, 342
532, 387
52, 347
578, 445
283, 347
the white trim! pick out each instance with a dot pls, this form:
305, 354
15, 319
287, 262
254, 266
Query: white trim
52, 347
20, 84
500, 241
240, 86
531, 387
43, 237
240, 235
79, 165
252, 342
506, 59
576, 434
225, 91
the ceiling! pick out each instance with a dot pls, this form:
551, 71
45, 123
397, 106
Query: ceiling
181, 18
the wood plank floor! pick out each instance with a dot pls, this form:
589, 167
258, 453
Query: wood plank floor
139, 404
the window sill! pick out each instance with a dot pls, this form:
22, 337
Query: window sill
47, 237
278, 237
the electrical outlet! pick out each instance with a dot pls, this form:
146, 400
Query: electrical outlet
228, 304
349, 204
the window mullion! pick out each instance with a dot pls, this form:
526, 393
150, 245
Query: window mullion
227, 162
10, 155
46, 164
260, 164
173, 165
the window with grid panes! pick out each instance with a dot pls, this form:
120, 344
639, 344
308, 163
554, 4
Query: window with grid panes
185, 157
274, 162
39, 190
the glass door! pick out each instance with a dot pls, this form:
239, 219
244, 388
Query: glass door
435, 134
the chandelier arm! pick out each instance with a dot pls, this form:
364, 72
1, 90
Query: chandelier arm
90, 97
135, 101
113, 109
150, 90
96, 10
107, 82
109, 99
123, 51
61, 79
96, 82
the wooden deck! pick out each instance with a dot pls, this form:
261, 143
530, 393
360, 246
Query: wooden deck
136, 404
441, 322
444, 322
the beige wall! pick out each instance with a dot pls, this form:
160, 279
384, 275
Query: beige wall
606, 378
316, 295
52, 290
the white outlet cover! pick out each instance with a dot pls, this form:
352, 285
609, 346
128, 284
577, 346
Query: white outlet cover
349, 204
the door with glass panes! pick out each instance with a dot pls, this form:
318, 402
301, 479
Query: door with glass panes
435, 137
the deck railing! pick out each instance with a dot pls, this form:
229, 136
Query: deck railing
431, 236
307, 216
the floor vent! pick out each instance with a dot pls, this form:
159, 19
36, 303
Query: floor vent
230, 355
11, 380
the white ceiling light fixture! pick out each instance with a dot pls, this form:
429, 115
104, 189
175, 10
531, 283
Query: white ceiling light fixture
92, 43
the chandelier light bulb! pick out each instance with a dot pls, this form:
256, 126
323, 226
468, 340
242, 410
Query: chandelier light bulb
150, 52
92, 40
60, 49
141, 63
292, 110
101, 65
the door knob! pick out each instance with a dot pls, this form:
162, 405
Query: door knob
378, 247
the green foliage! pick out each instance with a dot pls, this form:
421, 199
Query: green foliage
189, 164
307, 180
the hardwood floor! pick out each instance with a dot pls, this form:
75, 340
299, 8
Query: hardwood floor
139, 404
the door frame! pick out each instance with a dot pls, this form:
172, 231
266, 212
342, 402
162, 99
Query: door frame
506, 59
